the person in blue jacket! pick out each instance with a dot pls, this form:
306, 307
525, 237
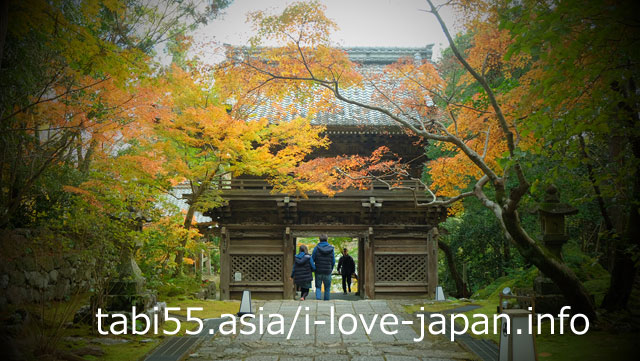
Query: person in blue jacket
324, 257
303, 265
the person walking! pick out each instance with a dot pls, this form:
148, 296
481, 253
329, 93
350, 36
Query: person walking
346, 267
325, 259
303, 265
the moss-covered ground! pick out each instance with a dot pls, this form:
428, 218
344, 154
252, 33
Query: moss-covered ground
58, 330
601, 342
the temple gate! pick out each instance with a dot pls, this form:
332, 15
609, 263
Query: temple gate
398, 249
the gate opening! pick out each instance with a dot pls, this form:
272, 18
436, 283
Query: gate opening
353, 246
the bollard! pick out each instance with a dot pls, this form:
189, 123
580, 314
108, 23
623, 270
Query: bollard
517, 341
245, 304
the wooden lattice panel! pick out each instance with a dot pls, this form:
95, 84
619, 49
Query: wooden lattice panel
257, 268
401, 268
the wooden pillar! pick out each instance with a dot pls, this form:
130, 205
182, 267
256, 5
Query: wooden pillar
432, 262
225, 264
369, 266
209, 261
361, 267
288, 252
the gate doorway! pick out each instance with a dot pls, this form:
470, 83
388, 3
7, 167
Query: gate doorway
354, 247
393, 261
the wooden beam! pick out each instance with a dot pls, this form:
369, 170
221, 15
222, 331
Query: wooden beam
225, 264
409, 252
402, 284
402, 289
288, 249
361, 275
432, 262
257, 283
261, 289
369, 265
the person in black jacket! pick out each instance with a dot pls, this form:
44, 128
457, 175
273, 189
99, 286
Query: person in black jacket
303, 265
346, 267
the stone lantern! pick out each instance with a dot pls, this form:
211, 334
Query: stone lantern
552, 214
128, 289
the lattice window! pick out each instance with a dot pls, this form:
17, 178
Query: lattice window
257, 268
401, 268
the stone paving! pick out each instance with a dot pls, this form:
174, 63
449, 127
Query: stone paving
320, 344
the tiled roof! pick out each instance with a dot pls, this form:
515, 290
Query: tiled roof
176, 198
373, 60
384, 55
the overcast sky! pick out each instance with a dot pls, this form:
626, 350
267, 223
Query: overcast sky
361, 23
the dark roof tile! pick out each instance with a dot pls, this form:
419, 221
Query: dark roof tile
373, 60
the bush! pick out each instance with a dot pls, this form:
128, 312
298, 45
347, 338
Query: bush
179, 286
519, 278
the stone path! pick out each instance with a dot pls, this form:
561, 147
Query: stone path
175, 348
320, 344
336, 296
486, 350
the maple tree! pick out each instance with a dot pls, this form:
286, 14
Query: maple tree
197, 140
484, 122
70, 78
86, 114
583, 100
97, 117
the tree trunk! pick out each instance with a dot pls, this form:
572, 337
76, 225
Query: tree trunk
569, 284
198, 191
506, 255
625, 268
596, 189
461, 288
4, 26
85, 162
621, 280
188, 219
627, 244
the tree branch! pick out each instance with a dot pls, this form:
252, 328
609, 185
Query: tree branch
523, 186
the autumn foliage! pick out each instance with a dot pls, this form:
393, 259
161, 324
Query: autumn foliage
89, 120
489, 108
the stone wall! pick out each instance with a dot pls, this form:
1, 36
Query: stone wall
29, 275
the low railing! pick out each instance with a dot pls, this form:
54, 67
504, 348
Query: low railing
261, 184
244, 184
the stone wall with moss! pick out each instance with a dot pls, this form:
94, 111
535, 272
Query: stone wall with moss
32, 272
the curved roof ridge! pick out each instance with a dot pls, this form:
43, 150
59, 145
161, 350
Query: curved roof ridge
387, 55
388, 48
373, 60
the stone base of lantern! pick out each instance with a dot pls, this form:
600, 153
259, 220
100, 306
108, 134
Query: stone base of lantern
126, 300
125, 292
548, 296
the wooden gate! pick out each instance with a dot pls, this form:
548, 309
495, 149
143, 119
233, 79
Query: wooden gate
255, 261
405, 263
401, 264
390, 263
398, 256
